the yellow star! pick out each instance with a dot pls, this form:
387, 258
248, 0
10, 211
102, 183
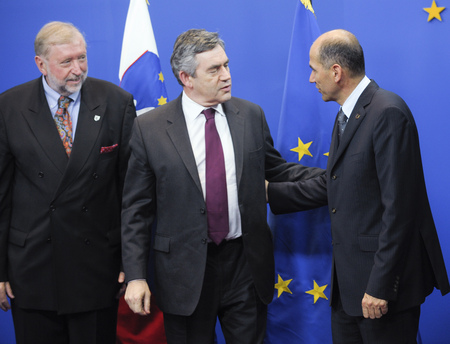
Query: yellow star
326, 154
161, 77
162, 101
302, 149
434, 11
317, 292
282, 286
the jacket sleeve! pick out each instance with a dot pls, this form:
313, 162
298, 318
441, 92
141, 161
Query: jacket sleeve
138, 209
6, 182
296, 196
397, 161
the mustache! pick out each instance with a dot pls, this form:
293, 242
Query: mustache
75, 78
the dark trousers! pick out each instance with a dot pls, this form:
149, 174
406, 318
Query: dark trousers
229, 294
47, 327
391, 328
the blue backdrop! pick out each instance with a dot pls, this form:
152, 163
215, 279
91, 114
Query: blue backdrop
404, 53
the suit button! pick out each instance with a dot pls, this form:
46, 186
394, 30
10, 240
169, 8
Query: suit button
202, 210
85, 209
87, 242
49, 240
95, 175
334, 177
333, 210
41, 174
52, 207
204, 241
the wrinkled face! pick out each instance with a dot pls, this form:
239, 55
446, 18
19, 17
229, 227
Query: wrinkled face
212, 82
323, 78
65, 68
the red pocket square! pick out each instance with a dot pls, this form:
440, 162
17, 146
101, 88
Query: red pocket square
108, 148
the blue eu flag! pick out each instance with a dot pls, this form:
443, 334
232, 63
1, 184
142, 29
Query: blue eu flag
300, 311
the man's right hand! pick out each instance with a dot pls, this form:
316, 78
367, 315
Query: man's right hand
5, 290
137, 297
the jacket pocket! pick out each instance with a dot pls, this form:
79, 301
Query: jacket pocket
17, 237
162, 243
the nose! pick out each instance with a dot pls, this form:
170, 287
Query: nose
312, 77
225, 73
76, 67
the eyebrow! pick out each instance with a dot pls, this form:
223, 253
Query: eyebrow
219, 65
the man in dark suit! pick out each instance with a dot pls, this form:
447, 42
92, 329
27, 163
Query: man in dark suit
60, 195
201, 275
386, 253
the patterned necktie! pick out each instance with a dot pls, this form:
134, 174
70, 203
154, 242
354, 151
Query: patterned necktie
216, 182
342, 121
64, 123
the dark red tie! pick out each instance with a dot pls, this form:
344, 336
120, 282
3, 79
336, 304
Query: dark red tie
216, 181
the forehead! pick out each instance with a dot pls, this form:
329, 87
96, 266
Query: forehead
75, 47
314, 51
213, 57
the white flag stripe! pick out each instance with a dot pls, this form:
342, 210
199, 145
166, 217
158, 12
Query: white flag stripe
138, 35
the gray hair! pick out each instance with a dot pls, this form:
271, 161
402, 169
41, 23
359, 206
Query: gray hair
345, 51
187, 46
55, 33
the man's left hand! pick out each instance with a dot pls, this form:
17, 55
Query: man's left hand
373, 308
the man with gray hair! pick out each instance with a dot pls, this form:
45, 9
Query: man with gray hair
63, 157
197, 171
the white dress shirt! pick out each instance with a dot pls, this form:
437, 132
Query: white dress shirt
350, 102
195, 122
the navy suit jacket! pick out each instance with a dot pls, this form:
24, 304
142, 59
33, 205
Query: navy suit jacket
163, 185
60, 217
384, 238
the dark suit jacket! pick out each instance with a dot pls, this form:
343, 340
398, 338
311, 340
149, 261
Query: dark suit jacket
60, 217
384, 238
163, 183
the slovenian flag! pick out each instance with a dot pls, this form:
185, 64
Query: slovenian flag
140, 68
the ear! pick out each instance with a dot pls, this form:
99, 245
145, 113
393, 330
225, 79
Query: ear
185, 79
337, 72
40, 63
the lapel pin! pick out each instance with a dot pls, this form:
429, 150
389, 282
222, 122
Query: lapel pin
96, 118
357, 116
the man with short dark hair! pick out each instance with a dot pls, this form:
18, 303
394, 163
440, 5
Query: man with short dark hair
197, 169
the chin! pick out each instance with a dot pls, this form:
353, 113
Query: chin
226, 97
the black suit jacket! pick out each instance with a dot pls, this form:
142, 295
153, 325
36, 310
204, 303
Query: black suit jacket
163, 183
384, 238
60, 217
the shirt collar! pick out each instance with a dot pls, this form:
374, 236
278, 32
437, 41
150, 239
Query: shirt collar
192, 109
350, 103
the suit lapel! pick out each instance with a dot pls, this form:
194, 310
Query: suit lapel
355, 120
177, 131
236, 123
43, 126
90, 119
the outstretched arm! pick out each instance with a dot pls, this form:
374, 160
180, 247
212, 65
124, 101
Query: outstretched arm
290, 197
